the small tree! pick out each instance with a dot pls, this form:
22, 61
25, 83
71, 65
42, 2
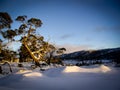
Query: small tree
53, 55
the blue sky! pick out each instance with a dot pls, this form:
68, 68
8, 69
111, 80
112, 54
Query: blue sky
73, 24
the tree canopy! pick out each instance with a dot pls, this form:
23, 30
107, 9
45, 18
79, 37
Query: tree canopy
32, 45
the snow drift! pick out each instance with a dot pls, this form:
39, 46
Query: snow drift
101, 68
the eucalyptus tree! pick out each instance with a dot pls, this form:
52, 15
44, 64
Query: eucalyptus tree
32, 45
6, 33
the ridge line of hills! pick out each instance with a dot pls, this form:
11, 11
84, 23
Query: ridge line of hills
110, 54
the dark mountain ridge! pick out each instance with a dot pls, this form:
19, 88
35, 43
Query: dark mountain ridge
110, 54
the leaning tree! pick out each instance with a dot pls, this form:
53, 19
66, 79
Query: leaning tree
33, 45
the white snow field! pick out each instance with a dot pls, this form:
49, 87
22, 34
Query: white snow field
95, 77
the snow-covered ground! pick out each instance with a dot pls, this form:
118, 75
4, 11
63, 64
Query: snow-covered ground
95, 77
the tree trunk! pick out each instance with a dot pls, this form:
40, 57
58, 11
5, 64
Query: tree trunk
30, 52
0, 70
32, 55
4, 71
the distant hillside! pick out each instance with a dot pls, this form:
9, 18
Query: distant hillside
112, 53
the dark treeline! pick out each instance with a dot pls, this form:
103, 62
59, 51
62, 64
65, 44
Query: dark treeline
95, 55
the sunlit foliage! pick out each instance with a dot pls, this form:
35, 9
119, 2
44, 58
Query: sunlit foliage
33, 46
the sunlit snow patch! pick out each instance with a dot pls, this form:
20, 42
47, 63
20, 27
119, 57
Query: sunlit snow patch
33, 74
104, 68
71, 69
22, 71
29, 73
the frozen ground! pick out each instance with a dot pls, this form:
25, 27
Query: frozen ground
96, 77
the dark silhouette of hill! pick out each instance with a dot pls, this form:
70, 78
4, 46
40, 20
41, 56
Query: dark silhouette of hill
109, 54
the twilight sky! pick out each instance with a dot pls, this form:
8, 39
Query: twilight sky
73, 24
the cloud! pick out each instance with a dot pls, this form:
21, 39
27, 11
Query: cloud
72, 48
106, 28
65, 36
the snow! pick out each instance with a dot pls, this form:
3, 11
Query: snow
96, 77
29, 73
102, 68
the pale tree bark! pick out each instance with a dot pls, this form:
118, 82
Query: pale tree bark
30, 52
